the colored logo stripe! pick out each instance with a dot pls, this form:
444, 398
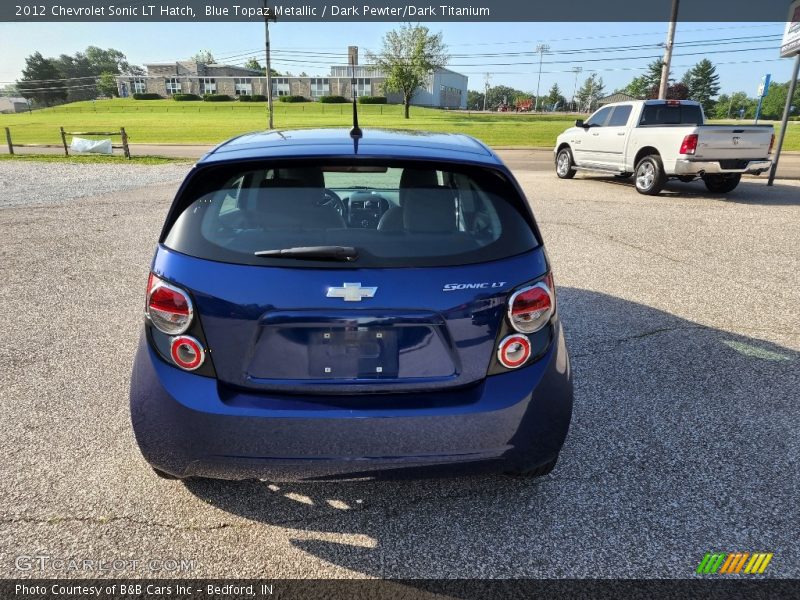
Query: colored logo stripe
734, 562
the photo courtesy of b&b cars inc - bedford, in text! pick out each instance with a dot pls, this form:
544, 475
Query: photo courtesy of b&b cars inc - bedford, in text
325, 300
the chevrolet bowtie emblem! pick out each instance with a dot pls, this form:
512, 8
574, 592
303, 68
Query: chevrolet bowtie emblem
351, 292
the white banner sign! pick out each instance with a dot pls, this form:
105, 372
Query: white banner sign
791, 36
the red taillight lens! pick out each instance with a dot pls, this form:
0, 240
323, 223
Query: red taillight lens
771, 144
168, 307
689, 144
514, 351
187, 352
530, 308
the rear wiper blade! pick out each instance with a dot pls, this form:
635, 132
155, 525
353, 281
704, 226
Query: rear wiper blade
342, 253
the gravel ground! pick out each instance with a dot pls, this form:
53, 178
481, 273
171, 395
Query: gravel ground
683, 327
32, 183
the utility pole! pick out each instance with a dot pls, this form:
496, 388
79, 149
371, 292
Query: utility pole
486, 90
267, 19
673, 20
577, 71
541, 49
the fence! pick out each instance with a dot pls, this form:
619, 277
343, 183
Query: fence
123, 145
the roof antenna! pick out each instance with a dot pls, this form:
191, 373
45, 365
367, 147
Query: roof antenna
355, 132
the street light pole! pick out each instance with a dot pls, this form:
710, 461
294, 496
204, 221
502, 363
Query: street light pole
577, 71
540, 50
269, 65
673, 20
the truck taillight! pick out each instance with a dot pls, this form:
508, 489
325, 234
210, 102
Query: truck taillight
530, 308
689, 144
771, 144
168, 308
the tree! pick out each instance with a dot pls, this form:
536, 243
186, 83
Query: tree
590, 92
107, 84
702, 82
408, 56
204, 56
41, 81
554, 99
9, 90
475, 100
675, 91
641, 86
252, 63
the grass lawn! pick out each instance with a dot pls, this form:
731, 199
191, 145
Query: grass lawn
167, 121
93, 159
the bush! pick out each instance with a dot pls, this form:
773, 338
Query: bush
185, 97
292, 99
253, 98
333, 99
216, 98
372, 99
147, 97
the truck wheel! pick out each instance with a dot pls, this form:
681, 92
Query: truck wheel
722, 184
565, 166
650, 178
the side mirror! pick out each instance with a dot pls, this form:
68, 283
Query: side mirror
579, 123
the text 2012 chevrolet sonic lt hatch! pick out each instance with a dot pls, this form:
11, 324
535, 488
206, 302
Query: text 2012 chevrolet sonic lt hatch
326, 305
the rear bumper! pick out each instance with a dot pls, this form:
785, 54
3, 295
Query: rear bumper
187, 425
685, 166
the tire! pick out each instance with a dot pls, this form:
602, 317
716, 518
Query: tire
163, 474
650, 177
721, 184
565, 165
534, 471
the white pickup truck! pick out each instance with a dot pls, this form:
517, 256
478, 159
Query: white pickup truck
659, 139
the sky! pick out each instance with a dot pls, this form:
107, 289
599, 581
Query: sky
311, 47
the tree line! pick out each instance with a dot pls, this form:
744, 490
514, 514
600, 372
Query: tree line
699, 83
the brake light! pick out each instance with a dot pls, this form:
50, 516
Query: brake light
514, 351
187, 352
673, 102
530, 308
771, 144
689, 144
169, 308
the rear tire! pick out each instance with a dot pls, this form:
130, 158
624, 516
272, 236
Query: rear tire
650, 177
721, 184
565, 165
535, 471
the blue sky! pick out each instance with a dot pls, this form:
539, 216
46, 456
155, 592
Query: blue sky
310, 47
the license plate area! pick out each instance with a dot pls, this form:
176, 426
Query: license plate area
353, 353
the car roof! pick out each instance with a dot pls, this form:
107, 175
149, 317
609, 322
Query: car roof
374, 143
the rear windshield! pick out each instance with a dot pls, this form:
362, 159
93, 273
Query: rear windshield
389, 214
666, 114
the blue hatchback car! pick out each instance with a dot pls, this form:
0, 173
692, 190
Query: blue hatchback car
322, 305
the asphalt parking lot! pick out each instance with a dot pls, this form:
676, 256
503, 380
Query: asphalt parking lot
684, 330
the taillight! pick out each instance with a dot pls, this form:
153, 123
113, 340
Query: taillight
771, 144
530, 308
187, 352
168, 307
514, 351
673, 102
689, 144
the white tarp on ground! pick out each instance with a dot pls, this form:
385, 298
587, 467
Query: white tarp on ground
93, 146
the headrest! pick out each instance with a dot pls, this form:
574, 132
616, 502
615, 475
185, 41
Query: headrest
417, 178
430, 210
311, 177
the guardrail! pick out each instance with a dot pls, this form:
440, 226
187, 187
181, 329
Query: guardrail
123, 145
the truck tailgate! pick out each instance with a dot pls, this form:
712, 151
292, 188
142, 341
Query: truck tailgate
730, 142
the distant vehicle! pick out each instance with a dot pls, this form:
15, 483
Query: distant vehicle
656, 140
331, 305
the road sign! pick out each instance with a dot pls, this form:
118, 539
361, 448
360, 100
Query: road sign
763, 88
791, 35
